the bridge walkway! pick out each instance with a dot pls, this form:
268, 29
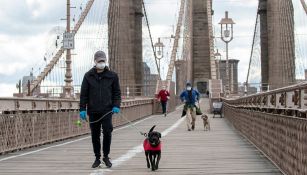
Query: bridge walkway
219, 151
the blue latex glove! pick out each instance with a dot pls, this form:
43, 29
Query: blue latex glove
115, 110
83, 115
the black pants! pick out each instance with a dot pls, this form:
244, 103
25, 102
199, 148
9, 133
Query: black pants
164, 103
107, 127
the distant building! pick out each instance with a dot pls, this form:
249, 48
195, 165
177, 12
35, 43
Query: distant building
146, 74
25, 81
250, 90
150, 81
233, 73
25, 84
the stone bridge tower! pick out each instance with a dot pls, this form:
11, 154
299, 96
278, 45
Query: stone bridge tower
125, 42
203, 67
277, 43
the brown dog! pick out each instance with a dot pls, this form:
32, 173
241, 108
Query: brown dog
206, 122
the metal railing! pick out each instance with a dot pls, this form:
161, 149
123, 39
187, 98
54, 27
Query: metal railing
284, 100
30, 104
274, 121
26, 128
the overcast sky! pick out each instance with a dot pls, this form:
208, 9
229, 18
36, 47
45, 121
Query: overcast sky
24, 27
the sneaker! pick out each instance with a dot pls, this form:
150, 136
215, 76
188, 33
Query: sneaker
107, 162
96, 163
193, 127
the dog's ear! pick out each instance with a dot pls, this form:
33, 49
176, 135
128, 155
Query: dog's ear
152, 129
159, 135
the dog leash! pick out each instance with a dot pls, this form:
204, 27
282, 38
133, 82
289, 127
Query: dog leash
122, 115
132, 125
101, 117
79, 123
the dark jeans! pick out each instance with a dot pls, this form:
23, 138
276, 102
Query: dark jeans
107, 127
163, 104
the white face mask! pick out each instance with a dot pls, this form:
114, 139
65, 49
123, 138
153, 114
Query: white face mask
189, 88
100, 65
164, 88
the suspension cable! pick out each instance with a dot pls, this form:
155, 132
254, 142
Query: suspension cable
252, 50
304, 5
175, 46
150, 36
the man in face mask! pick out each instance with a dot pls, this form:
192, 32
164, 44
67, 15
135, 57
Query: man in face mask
163, 97
190, 97
100, 97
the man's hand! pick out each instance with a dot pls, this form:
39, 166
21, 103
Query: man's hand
83, 115
115, 110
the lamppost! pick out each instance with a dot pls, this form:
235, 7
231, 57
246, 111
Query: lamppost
218, 57
159, 52
227, 36
245, 88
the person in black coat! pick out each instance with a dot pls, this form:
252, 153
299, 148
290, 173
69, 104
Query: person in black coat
100, 97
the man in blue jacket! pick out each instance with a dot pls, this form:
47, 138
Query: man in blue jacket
190, 97
100, 97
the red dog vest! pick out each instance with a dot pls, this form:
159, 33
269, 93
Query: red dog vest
148, 147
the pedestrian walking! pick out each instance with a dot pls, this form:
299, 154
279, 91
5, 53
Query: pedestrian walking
190, 96
163, 97
100, 97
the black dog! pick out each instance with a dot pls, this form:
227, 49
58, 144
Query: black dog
152, 147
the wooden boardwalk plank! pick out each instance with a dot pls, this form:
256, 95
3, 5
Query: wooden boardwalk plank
220, 151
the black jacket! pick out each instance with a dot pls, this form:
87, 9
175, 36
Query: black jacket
100, 94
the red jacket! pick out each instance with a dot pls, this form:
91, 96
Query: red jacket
148, 147
163, 94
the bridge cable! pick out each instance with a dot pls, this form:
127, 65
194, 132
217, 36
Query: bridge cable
303, 2
252, 50
300, 43
175, 46
150, 36
59, 53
